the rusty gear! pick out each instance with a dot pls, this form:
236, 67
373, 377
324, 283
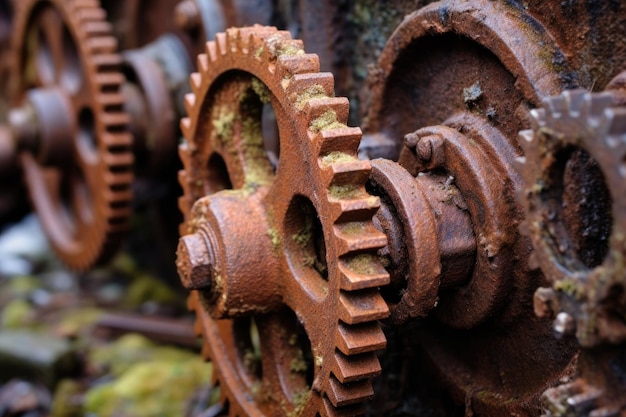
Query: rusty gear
455, 81
574, 172
321, 275
77, 161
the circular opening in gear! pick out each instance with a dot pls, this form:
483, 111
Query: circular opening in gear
217, 174
280, 341
305, 246
249, 347
577, 209
71, 74
81, 195
44, 61
271, 138
87, 138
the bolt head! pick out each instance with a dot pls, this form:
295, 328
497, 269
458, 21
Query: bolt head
193, 262
424, 148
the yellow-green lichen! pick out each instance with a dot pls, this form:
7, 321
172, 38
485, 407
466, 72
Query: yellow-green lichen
341, 192
570, 287
337, 158
353, 228
67, 400
364, 264
277, 45
298, 364
304, 235
261, 90
17, 314
326, 121
299, 400
223, 122
274, 238
319, 360
313, 91
139, 391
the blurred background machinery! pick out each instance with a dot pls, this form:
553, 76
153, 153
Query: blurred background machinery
462, 254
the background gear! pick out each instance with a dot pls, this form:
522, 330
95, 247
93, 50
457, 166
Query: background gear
79, 176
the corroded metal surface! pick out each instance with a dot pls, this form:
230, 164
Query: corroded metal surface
236, 203
494, 261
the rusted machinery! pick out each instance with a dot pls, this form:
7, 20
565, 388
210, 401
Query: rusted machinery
463, 255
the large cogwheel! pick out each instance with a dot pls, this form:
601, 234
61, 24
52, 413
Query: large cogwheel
71, 128
278, 241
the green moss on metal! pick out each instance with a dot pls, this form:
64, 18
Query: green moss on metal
327, 121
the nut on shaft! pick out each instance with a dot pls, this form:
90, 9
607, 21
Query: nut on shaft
194, 262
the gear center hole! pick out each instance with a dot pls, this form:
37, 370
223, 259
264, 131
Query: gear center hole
578, 207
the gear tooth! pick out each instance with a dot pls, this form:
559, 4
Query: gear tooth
106, 62
89, 12
354, 209
361, 306
575, 101
358, 237
115, 120
360, 338
185, 127
304, 87
330, 110
356, 367
526, 137
617, 130
118, 161
221, 46
289, 65
118, 182
598, 103
346, 394
97, 28
111, 101
234, 39
557, 107
117, 141
109, 80
346, 411
190, 103
343, 173
372, 274
195, 80
345, 140
537, 118
101, 44
202, 60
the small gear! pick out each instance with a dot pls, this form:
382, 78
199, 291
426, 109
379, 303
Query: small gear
574, 194
70, 127
287, 252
